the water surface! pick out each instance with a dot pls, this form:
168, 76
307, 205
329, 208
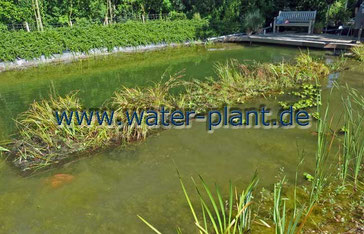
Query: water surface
111, 187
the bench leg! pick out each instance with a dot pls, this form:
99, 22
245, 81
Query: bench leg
309, 29
274, 26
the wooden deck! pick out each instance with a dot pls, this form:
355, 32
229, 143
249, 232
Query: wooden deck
323, 41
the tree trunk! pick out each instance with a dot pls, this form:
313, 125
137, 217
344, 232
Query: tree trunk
143, 12
38, 17
109, 10
106, 20
70, 14
26, 25
35, 15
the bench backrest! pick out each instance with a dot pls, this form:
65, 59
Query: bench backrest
298, 16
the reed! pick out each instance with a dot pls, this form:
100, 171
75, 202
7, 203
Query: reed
283, 222
324, 144
219, 215
353, 144
230, 216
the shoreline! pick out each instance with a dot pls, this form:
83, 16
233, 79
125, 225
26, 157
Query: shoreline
68, 56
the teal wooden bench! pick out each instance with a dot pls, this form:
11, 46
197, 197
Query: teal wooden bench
295, 19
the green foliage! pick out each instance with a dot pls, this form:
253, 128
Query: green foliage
337, 11
358, 52
353, 142
224, 16
173, 15
284, 224
308, 176
2, 149
307, 94
219, 215
3, 28
324, 144
235, 79
43, 142
253, 21
29, 45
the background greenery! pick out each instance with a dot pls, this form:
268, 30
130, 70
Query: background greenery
225, 16
31, 28
27, 45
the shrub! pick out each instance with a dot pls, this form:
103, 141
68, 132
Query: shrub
174, 15
253, 21
29, 45
3, 28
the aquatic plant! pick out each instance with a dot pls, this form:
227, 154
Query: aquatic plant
353, 143
324, 144
236, 82
358, 52
307, 97
43, 141
284, 225
218, 215
143, 99
2, 149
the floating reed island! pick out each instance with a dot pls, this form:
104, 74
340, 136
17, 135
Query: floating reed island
42, 142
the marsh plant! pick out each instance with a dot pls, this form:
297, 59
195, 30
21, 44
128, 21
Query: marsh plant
233, 213
307, 96
324, 145
353, 142
217, 214
236, 82
282, 222
42, 142
358, 52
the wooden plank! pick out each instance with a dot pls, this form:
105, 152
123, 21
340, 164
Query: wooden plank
315, 41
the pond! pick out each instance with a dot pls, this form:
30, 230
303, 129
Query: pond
111, 188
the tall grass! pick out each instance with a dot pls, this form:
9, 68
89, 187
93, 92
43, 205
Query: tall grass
218, 215
283, 223
353, 143
235, 218
324, 144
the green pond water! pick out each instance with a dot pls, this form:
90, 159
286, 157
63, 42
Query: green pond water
110, 188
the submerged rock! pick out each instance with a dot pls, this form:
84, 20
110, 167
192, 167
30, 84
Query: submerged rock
59, 180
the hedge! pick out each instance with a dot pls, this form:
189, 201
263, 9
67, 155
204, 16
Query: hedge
28, 45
